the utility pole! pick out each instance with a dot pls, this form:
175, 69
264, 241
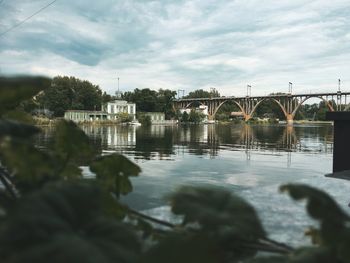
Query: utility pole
290, 87
178, 93
339, 97
117, 94
249, 90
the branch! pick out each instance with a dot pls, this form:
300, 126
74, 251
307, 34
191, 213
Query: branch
152, 219
5, 180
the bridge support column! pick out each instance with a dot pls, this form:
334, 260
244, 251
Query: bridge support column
247, 117
290, 119
211, 117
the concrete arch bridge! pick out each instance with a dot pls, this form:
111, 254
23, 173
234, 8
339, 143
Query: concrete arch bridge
288, 103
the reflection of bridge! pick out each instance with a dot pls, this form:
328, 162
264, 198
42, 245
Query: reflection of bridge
289, 103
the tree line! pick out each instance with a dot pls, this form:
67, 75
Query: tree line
70, 93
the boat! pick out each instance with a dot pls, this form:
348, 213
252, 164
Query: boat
135, 123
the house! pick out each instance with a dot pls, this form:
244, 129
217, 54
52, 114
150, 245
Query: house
84, 116
158, 118
203, 109
117, 107
109, 111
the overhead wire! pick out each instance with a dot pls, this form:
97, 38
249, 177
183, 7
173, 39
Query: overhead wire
25, 20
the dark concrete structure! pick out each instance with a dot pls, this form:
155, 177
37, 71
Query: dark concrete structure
341, 156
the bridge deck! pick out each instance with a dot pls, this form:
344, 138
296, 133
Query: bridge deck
268, 96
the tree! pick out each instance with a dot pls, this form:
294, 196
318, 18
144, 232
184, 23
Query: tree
203, 94
147, 100
70, 93
185, 117
195, 116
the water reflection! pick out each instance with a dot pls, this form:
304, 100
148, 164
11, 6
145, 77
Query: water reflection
164, 142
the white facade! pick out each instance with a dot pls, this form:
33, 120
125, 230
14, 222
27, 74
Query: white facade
114, 108
201, 109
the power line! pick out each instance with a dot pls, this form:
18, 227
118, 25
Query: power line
25, 20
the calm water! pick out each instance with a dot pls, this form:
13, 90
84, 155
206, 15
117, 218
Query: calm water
252, 161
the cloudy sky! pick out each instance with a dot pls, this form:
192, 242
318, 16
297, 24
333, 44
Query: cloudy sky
182, 44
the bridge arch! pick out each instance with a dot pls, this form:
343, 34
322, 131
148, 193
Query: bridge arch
189, 104
222, 103
329, 105
273, 99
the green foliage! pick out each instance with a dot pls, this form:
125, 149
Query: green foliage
185, 117
113, 171
195, 116
145, 120
69, 93
152, 101
66, 222
13, 91
203, 94
226, 220
50, 212
124, 117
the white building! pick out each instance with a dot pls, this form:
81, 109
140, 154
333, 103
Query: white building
200, 109
117, 107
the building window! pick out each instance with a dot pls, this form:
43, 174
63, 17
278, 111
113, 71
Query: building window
112, 109
131, 109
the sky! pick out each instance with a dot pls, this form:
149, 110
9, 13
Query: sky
187, 45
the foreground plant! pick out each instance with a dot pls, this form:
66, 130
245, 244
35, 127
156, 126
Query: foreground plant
50, 212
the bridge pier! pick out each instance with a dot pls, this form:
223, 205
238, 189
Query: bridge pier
290, 119
247, 117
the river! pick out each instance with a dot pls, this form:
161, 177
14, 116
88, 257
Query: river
249, 160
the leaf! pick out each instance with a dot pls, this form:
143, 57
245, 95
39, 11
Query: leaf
322, 207
302, 255
223, 217
14, 90
214, 208
20, 116
16, 129
113, 171
66, 222
71, 143
31, 167
182, 248
319, 204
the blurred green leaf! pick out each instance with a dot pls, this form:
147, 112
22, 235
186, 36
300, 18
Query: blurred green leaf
16, 129
319, 204
66, 222
225, 218
30, 167
322, 207
184, 248
14, 90
113, 172
20, 116
302, 255
71, 144
216, 208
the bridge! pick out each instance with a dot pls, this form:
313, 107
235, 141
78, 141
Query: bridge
289, 103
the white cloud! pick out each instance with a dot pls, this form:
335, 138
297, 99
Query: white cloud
184, 44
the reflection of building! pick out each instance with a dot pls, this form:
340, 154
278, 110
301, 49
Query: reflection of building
121, 137
114, 108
